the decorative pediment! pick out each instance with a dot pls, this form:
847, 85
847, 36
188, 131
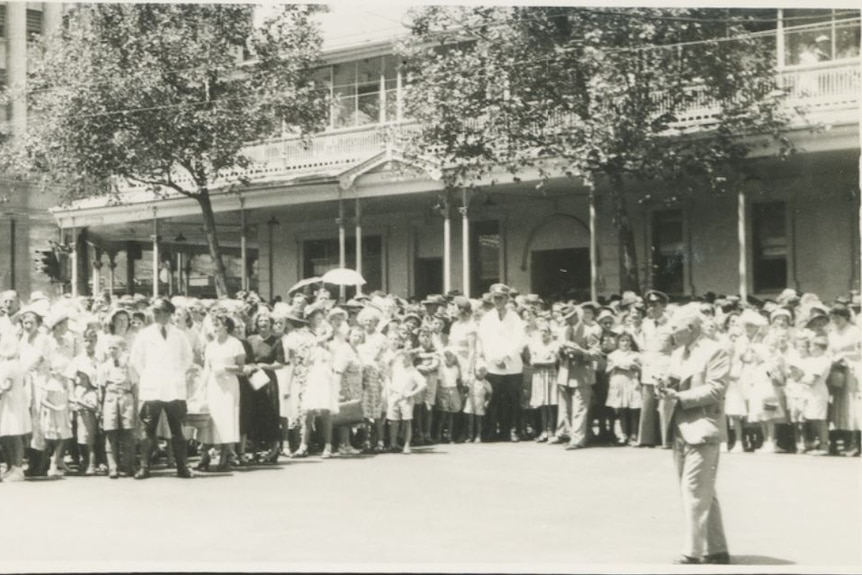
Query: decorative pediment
389, 161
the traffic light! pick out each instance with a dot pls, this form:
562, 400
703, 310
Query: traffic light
48, 263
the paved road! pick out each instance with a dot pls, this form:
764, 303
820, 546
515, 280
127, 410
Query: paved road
501, 507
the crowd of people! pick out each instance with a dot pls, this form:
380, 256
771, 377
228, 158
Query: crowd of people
120, 385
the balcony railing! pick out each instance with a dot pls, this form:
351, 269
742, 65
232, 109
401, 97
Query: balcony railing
831, 86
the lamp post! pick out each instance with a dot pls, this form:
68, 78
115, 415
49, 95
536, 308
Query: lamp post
182, 285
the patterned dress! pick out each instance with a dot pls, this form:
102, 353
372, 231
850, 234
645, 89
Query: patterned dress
372, 380
298, 345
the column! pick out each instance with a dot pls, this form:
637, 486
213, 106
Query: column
447, 247
465, 242
271, 224
180, 283
155, 238
131, 253
743, 248
358, 241
243, 246
97, 271
112, 266
342, 245
594, 291
73, 258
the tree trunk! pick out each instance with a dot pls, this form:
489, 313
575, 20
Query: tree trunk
628, 257
203, 199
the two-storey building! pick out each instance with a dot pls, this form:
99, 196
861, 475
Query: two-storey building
351, 199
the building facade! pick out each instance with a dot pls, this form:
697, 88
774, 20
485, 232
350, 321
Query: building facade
26, 225
351, 199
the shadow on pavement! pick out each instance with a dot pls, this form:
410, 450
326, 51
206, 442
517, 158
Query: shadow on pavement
758, 560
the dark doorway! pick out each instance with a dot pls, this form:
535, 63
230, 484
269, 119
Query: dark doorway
429, 276
561, 273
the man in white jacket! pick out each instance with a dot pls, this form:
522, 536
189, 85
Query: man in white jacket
502, 338
160, 357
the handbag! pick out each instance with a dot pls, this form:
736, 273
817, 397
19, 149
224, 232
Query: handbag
349, 413
837, 375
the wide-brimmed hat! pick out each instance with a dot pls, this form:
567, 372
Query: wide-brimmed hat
568, 311
499, 289
656, 296
163, 304
56, 317
606, 313
313, 308
336, 312
751, 317
779, 312
591, 305
434, 299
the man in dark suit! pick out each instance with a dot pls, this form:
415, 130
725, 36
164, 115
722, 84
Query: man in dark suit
693, 404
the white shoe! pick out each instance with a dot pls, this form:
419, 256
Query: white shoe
14, 474
767, 448
724, 448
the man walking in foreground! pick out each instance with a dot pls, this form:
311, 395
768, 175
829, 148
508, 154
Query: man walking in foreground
160, 358
693, 401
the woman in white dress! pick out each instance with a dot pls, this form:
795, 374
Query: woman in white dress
35, 356
224, 358
14, 406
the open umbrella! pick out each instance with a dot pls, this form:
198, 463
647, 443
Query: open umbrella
302, 283
343, 277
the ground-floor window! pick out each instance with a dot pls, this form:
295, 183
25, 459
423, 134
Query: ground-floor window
770, 246
561, 274
320, 256
428, 273
668, 251
486, 250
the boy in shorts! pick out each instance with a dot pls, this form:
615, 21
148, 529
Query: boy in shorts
119, 408
405, 384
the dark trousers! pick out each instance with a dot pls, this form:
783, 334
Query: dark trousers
504, 404
175, 411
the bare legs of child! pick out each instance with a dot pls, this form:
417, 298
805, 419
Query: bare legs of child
474, 427
407, 426
55, 450
546, 422
768, 428
88, 458
738, 434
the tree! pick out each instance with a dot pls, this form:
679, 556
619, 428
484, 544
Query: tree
593, 93
155, 94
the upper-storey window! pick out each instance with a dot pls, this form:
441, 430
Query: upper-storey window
812, 36
365, 92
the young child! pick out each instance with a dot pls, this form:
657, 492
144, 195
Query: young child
796, 391
543, 392
85, 401
477, 403
118, 408
623, 368
817, 367
428, 363
448, 395
405, 385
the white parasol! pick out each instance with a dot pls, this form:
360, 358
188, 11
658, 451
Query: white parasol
306, 282
343, 277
